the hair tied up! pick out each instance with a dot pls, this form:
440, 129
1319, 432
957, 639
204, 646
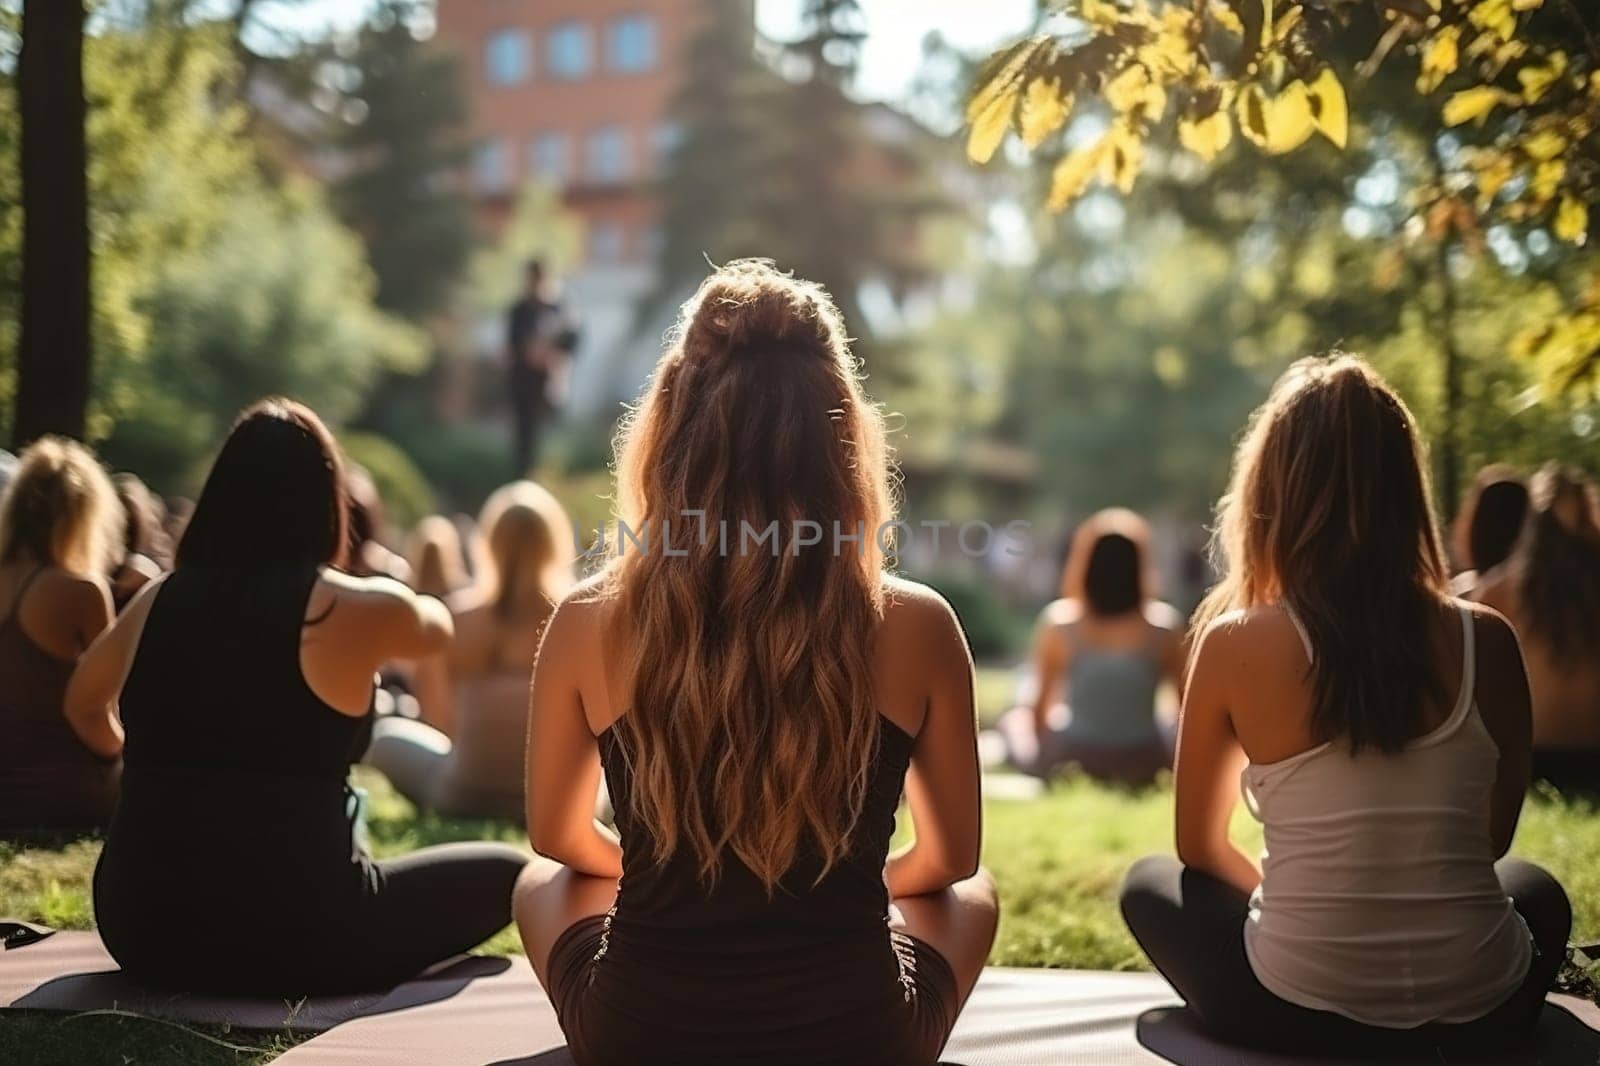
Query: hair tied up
741, 313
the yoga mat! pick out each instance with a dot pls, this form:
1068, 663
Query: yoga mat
72, 972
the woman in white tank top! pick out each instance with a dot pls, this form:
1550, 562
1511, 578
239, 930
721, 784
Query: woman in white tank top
1381, 733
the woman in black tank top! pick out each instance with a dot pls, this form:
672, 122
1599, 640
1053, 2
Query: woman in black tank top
756, 710
235, 801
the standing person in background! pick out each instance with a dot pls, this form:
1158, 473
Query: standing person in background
1550, 590
60, 535
1488, 526
540, 339
1109, 645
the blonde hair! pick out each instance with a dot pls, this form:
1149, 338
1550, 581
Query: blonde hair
1329, 513
751, 726
436, 557
527, 532
60, 508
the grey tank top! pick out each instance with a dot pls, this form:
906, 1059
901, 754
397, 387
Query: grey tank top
1112, 693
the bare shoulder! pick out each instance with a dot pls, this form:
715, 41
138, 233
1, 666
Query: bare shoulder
580, 619
1062, 612
918, 619
1253, 635
366, 594
1493, 633
1162, 615
74, 591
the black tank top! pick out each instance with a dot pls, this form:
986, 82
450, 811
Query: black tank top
234, 795
734, 963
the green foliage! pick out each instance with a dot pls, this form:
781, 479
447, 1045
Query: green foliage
540, 228
406, 494
993, 628
408, 112
239, 318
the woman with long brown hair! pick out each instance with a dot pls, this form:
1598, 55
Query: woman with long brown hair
1380, 732
465, 757
1550, 590
756, 706
1107, 644
60, 537
245, 683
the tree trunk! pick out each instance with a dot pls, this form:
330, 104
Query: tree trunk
53, 349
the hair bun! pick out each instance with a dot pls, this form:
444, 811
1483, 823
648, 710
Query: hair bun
749, 304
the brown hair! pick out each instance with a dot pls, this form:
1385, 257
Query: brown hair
60, 509
1491, 518
1108, 569
1328, 513
1557, 565
751, 726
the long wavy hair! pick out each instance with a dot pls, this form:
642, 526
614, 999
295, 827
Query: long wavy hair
529, 543
60, 508
750, 725
1557, 564
1328, 513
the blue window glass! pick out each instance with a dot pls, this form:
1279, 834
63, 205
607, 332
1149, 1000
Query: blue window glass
631, 44
491, 166
506, 57
548, 156
570, 50
606, 155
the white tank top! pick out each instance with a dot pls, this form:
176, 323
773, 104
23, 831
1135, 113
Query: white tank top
1378, 897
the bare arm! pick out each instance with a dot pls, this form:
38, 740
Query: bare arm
563, 758
1049, 666
91, 701
1506, 708
1208, 766
942, 784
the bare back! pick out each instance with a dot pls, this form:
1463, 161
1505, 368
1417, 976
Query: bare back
1566, 692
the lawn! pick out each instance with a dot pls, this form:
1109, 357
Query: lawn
1058, 860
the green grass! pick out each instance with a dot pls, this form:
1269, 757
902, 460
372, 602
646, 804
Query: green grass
1058, 859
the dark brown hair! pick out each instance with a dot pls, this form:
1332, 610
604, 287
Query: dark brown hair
1491, 518
1557, 566
1328, 514
275, 495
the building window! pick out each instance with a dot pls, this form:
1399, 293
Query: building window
491, 166
606, 155
547, 157
664, 140
505, 57
607, 242
570, 50
631, 44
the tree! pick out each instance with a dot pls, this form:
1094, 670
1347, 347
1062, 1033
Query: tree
1525, 110
52, 390
408, 111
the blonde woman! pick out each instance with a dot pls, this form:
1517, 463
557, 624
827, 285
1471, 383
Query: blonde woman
466, 755
1380, 731
756, 710
60, 536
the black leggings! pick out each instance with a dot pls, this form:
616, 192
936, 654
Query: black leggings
1191, 925
415, 911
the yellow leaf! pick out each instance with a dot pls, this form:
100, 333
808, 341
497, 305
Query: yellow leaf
1547, 179
1252, 110
1572, 221
1527, 5
1169, 51
989, 125
1440, 57
1471, 104
1495, 16
1493, 171
1536, 78
1222, 15
1132, 92
1098, 13
1545, 145
1328, 107
1044, 110
1071, 175
1208, 136
1119, 161
1289, 118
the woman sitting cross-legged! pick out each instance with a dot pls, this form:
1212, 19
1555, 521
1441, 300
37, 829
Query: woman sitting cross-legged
756, 707
465, 757
1110, 644
60, 532
1381, 733
246, 685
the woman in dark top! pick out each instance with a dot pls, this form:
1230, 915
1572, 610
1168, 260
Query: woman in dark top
246, 686
756, 709
59, 532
